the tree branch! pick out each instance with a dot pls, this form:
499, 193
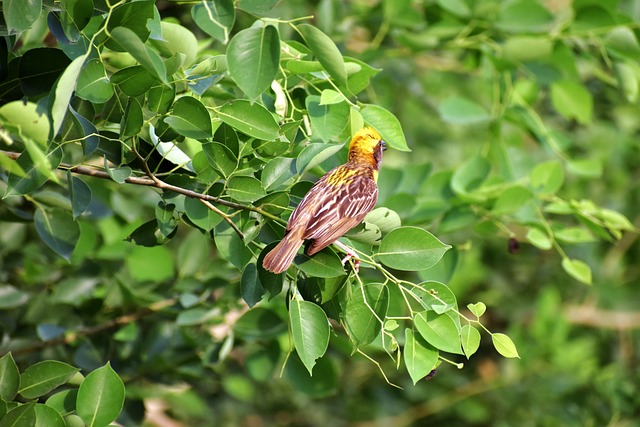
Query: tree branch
97, 173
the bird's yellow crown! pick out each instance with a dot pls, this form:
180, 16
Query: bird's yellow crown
366, 140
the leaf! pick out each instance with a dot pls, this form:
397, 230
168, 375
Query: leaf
130, 42
323, 264
132, 16
439, 330
245, 189
250, 287
310, 331
43, 377
190, 118
325, 51
48, 417
58, 230
64, 402
278, 171
463, 111
470, 340
504, 345
63, 92
469, 177
259, 323
411, 249
314, 154
577, 269
100, 397
524, 16
478, 309
160, 98
20, 15
80, 195
11, 297
387, 125
330, 96
249, 118
384, 218
419, 357
215, 18
547, 177
93, 83
20, 416
134, 81
220, 157
327, 121
201, 215
256, 7
572, 100
511, 200
539, 239
231, 247
177, 40
439, 297
24, 119
164, 218
364, 313
132, 119
253, 57
9, 378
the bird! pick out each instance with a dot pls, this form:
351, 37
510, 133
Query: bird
335, 204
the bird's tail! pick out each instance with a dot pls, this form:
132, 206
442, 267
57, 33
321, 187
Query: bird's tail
281, 257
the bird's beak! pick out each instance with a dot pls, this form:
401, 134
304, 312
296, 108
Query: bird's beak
384, 145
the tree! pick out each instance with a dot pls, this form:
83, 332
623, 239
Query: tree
155, 151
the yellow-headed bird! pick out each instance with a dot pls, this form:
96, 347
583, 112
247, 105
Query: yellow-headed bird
335, 204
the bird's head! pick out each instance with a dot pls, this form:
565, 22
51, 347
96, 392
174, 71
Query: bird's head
367, 146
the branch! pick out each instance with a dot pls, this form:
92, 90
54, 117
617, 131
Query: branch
97, 173
73, 336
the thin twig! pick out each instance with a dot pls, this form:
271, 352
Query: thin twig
98, 173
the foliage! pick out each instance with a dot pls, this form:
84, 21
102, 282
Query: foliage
152, 152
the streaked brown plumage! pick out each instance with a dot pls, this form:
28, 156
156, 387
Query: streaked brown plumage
335, 204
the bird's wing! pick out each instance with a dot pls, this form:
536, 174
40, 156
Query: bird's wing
341, 208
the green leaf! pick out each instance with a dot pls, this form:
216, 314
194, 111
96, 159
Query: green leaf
43, 377
80, 195
245, 189
220, 157
231, 247
511, 200
64, 401
190, 118
63, 92
384, 218
215, 18
478, 309
387, 125
164, 218
93, 84
132, 16
470, 340
9, 378
160, 98
23, 119
504, 345
250, 118
539, 239
330, 96
323, 264
134, 81
463, 111
277, 172
20, 15
256, 7
250, 287
572, 100
259, 323
132, 119
438, 297
310, 331
58, 230
411, 249
314, 154
419, 357
20, 416
364, 313
47, 417
524, 16
439, 330
327, 121
76, 16
325, 51
253, 57
11, 297
469, 177
527, 48
574, 235
129, 41
201, 215
577, 269
547, 177
120, 174
177, 40
100, 397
